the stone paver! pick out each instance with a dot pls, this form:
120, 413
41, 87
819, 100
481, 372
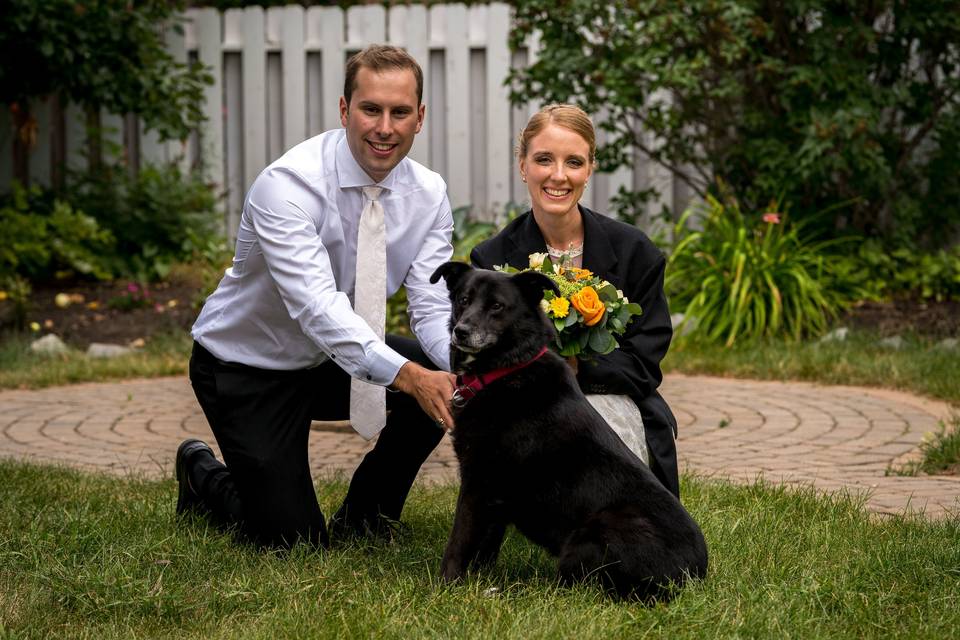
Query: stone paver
831, 437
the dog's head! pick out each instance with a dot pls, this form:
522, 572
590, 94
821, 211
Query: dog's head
497, 320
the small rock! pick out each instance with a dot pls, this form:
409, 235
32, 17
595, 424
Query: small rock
50, 343
676, 319
893, 342
947, 344
104, 350
837, 335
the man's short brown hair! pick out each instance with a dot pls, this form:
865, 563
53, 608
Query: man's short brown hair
381, 57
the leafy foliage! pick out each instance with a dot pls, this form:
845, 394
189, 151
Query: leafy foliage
885, 274
822, 102
158, 217
745, 277
100, 53
44, 236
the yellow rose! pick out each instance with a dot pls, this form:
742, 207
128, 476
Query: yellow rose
588, 303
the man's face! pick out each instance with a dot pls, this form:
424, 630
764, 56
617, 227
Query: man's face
381, 119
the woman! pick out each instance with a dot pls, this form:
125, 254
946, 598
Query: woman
556, 153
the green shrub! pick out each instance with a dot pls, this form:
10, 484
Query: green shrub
903, 273
159, 216
822, 101
44, 237
746, 277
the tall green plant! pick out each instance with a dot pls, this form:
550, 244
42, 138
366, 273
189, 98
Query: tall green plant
744, 277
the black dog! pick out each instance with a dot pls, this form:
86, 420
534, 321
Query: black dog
534, 453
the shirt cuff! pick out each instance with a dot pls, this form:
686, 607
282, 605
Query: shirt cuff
381, 365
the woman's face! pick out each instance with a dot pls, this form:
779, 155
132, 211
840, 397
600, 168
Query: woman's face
557, 166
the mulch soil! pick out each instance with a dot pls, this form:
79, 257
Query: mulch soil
101, 312
95, 313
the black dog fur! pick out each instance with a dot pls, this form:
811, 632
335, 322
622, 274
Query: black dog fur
534, 453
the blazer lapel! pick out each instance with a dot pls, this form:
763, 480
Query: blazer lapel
525, 241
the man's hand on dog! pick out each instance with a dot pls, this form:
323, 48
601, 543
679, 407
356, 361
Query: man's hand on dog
431, 389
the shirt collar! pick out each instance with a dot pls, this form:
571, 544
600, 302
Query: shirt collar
351, 174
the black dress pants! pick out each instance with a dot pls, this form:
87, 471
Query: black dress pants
261, 420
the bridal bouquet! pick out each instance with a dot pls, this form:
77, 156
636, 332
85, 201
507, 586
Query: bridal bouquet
589, 312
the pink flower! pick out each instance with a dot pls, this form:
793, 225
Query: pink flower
132, 288
771, 218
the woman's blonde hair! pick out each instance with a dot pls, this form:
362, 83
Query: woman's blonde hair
567, 116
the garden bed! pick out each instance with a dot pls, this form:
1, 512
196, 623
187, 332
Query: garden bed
109, 312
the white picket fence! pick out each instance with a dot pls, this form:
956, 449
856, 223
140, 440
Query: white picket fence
278, 76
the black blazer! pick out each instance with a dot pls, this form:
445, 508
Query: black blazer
625, 256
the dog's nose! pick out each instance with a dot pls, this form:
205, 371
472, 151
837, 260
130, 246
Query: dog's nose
460, 332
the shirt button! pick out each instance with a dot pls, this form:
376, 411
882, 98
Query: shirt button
333, 356
369, 377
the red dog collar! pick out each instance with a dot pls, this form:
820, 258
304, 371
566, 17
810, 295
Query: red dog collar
469, 385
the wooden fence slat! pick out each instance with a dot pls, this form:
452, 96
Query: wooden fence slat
500, 161
207, 22
177, 46
366, 24
294, 76
450, 24
408, 29
254, 65
331, 22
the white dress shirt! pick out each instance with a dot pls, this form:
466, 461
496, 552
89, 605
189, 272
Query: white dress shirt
286, 302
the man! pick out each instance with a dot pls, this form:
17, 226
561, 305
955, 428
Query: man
277, 343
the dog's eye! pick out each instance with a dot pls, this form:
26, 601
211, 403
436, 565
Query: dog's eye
496, 306
463, 300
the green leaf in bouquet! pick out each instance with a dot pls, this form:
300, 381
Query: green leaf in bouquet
614, 324
634, 308
546, 266
583, 339
571, 348
572, 317
548, 295
600, 340
608, 293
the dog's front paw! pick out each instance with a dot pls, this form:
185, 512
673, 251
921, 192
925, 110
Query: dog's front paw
451, 571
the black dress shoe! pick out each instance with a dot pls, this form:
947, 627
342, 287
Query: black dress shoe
187, 498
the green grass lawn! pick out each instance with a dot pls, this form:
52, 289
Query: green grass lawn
918, 367
91, 556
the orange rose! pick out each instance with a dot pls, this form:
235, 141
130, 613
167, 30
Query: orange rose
588, 303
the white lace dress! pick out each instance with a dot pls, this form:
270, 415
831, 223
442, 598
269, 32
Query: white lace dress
624, 418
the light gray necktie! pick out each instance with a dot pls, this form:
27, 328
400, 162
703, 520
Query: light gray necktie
368, 412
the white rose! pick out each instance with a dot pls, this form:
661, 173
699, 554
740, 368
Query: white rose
536, 260
545, 306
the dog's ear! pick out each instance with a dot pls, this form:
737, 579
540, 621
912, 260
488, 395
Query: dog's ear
451, 272
532, 284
